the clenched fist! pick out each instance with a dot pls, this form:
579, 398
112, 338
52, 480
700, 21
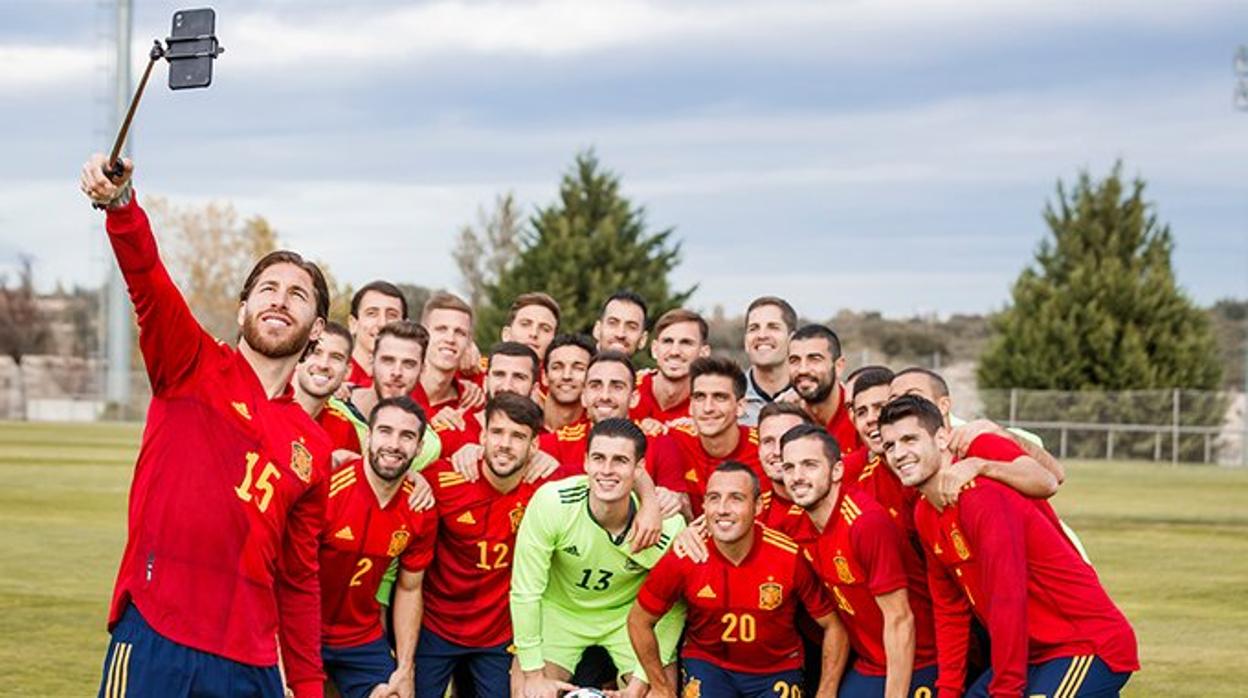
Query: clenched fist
99, 187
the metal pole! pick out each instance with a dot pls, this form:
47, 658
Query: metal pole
1013, 406
1174, 431
117, 385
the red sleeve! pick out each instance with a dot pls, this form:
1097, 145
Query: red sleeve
665, 463
419, 552
170, 338
995, 448
813, 595
298, 590
877, 545
663, 585
994, 530
952, 614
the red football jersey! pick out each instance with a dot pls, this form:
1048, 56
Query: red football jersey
868, 472
358, 377
422, 399
741, 617
468, 585
841, 427
860, 555
788, 518
228, 494
648, 405
570, 444
995, 553
360, 539
697, 465
454, 439
340, 429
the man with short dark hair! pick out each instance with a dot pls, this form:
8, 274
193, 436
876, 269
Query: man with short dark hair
511, 367
875, 575
368, 525
865, 469
377, 304
993, 553
532, 320
399, 353
566, 365
466, 590
715, 435
815, 367
228, 494
741, 639
769, 320
680, 336
317, 377
575, 574
622, 324
775, 419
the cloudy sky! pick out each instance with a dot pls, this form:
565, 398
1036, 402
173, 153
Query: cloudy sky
868, 154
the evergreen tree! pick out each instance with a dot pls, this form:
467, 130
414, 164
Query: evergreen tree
583, 248
1100, 310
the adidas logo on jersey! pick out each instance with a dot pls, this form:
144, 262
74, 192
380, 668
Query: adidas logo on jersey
345, 534
466, 518
707, 592
571, 550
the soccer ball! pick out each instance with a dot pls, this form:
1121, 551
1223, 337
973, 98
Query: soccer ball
585, 693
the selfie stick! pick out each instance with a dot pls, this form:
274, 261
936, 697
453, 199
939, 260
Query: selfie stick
114, 168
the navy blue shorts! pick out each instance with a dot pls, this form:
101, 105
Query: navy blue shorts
857, 685
356, 671
142, 663
701, 679
1085, 676
437, 658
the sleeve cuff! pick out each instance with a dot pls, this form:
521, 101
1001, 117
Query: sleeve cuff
530, 659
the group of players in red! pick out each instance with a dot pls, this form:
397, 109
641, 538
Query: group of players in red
345, 501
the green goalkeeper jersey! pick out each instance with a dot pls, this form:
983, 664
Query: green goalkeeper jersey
565, 560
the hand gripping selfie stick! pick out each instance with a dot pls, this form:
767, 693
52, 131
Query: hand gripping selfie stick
190, 48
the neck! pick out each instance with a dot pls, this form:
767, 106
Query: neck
822, 512
364, 400
612, 516
737, 549
310, 403
823, 411
274, 374
439, 385
503, 484
772, 379
777, 487
930, 488
723, 443
363, 357
383, 490
557, 415
669, 393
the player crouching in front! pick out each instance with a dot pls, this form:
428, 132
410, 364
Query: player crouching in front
742, 639
368, 524
1053, 629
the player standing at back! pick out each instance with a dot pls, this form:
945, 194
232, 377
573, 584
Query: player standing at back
375, 305
1053, 629
815, 367
576, 574
317, 378
663, 394
369, 524
768, 323
742, 639
228, 495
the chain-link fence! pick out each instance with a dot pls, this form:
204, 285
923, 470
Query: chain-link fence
1179, 426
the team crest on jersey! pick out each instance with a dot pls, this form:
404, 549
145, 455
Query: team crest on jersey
301, 461
516, 515
842, 569
693, 689
959, 544
770, 596
398, 541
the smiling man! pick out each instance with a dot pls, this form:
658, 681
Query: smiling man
369, 524
742, 639
996, 555
375, 305
228, 494
769, 321
566, 367
622, 324
875, 575
663, 394
317, 378
576, 575
815, 367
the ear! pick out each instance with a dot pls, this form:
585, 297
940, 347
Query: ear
641, 343
597, 331
242, 313
840, 367
945, 404
838, 471
740, 408
318, 327
351, 324
652, 348
704, 351
636, 398
506, 333
943, 436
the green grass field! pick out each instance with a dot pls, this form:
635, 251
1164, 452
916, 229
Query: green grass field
1170, 543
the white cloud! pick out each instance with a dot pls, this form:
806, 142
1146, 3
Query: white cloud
34, 68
